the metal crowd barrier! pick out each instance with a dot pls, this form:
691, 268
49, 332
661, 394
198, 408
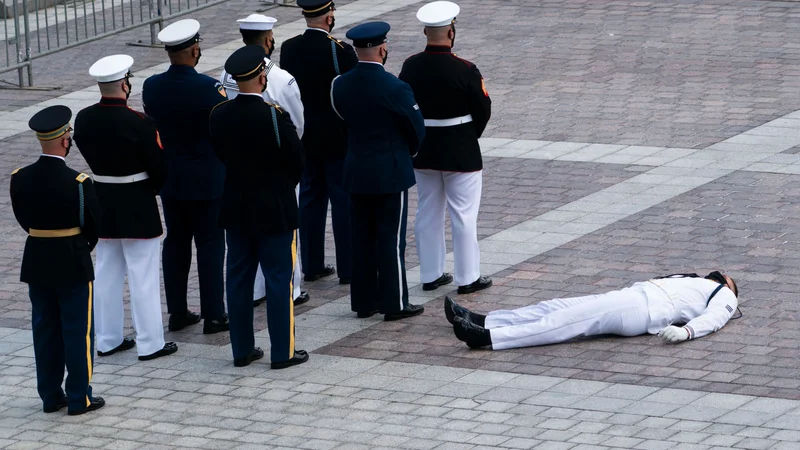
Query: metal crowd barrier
33, 29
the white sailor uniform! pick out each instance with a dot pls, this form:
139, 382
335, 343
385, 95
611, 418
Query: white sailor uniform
645, 307
282, 90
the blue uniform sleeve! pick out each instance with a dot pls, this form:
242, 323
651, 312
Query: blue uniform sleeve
146, 88
411, 123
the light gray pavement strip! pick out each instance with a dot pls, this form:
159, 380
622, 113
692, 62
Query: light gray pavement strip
168, 399
197, 399
15, 122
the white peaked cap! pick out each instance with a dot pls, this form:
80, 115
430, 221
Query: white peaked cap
111, 68
438, 14
257, 22
179, 32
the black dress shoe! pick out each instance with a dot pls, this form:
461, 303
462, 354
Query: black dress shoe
478, 285
169, 348
302, 298
344, 281
366, 314
474, 335
127, 344
97, 403
446, 278
255, 355
410, 311
453, 310
327, 271
216, 325
300, 356
63, 403
180, 321
259, 302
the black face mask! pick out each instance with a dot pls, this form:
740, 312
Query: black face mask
385, 57
453, 40
264, 87
271, 47
199, 54
69, 146
128, 83
333, 23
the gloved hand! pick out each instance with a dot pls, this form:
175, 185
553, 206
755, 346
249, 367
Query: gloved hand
673, 334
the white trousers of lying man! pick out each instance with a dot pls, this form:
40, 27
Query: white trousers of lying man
703, 305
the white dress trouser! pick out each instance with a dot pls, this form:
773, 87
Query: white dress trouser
460, 193
140, 258
622, 312
260, 287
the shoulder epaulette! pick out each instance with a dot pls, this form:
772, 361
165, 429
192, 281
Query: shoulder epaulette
81, 177
15, 171
217, 106
276, 106
142, 116
338, 41
468, 63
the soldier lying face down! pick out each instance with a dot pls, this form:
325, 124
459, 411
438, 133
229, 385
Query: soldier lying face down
702, 305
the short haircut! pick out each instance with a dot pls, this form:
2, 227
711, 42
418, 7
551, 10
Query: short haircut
254, 37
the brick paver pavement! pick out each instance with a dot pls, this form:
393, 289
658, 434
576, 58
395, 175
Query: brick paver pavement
627, 141
744, 224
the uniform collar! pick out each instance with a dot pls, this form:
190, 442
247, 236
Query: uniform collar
180, 68
108, 101
45, 156
370, 65
318, 29
250, 94
438, 49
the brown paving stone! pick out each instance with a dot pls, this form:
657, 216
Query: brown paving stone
506, 182
668, 73
754, 239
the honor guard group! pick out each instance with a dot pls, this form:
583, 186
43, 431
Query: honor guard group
249, 163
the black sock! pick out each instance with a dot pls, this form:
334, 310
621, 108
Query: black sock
477, 319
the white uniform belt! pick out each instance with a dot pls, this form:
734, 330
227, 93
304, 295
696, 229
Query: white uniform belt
448, 122
121, 180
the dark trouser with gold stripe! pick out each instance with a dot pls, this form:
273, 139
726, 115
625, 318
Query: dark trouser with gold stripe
63, 335
277, 254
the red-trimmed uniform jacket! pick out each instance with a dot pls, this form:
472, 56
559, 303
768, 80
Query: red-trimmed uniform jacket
117, 141
445, 87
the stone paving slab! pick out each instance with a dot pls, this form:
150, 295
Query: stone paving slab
743, 223
335, 402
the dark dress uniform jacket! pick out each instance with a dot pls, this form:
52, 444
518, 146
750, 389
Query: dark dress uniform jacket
385, 129
117, 141
261, 172
45, 196
446, 87
180, 101
309, 57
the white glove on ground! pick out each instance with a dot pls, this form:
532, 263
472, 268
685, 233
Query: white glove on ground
674, 334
